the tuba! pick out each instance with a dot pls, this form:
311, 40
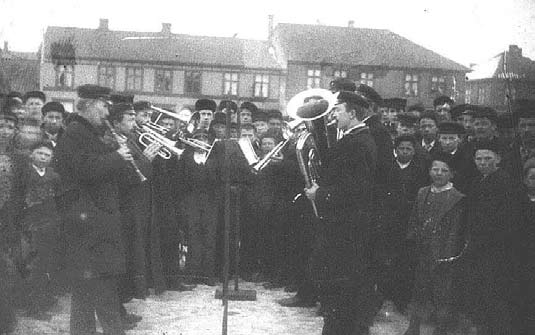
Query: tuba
313, 108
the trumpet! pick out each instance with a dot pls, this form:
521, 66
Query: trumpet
147, 136
287, 132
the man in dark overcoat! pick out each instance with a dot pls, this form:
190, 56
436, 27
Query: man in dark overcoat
486, 274
89, 206
342, 262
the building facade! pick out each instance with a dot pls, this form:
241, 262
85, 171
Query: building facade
508, 74
172, 70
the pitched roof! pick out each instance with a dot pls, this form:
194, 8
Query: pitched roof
358, 46
162, 48
19, 72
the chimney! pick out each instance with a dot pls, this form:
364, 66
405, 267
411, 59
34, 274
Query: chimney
103, 25
6, 49
166, 28
351, 24
515, 51
270, 26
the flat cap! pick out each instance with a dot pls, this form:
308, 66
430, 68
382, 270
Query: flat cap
228, 104
441, 100
89, 91
34, 94
205, 104
369, 93
408, 120
493, 146
53, 106
352, 98
274, 114
141, 105
342, 84
450, 127
118, 98
249, 106
15, 95
117, 111
260, 115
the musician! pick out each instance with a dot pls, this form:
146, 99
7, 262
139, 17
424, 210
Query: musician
200, 207
206, 109
184, 117
442, 106
143, 112
487, 269
436, 227
135, 209
168, 122
342, 263
247, 109
90, 171
53, 116
12, 166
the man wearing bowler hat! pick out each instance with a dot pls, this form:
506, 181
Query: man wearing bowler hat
90, 171
341, 265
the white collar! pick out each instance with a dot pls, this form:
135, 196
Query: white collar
360, 125
432, 144
403, 165
441, 189
40, 171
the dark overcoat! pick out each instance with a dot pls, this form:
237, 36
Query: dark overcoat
486, 272
89, 202
344, 199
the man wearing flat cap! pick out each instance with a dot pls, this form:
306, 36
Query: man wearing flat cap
90, 172
487, 268
53, 116
343, 198
206, 109
34, 101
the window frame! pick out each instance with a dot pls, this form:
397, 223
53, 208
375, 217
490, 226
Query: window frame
187, 79
264, 85
231, 81
367, 78
126, 77
409, 79
171, 77
314, 78
113, 75
337, 73
58, 72
438, 86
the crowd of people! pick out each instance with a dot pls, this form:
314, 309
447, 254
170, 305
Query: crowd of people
429, 210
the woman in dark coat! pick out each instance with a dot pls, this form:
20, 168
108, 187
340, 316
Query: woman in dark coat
435, 225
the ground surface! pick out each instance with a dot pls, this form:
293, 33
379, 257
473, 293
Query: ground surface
198, 313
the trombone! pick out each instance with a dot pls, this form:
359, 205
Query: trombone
287, 133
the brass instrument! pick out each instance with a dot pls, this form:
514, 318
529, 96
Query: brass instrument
147, 136
119, 141
287, 132
312, 144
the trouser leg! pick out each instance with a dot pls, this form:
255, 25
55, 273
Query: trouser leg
107, 306
82, 320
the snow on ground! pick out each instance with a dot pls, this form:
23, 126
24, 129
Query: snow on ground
199, 313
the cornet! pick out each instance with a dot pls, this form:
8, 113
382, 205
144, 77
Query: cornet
147, 136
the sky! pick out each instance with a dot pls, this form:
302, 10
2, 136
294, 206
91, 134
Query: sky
466, 31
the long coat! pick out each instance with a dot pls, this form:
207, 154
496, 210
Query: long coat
485, 277
344, 198
89, 202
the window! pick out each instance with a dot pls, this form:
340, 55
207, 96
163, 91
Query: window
163, 81
192, 82
313, 78
64, 75
411, 85
134, 79
438, 84
106, 76
467, 95
230, 84
261, 85
481, 95
340, 74
366, 78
